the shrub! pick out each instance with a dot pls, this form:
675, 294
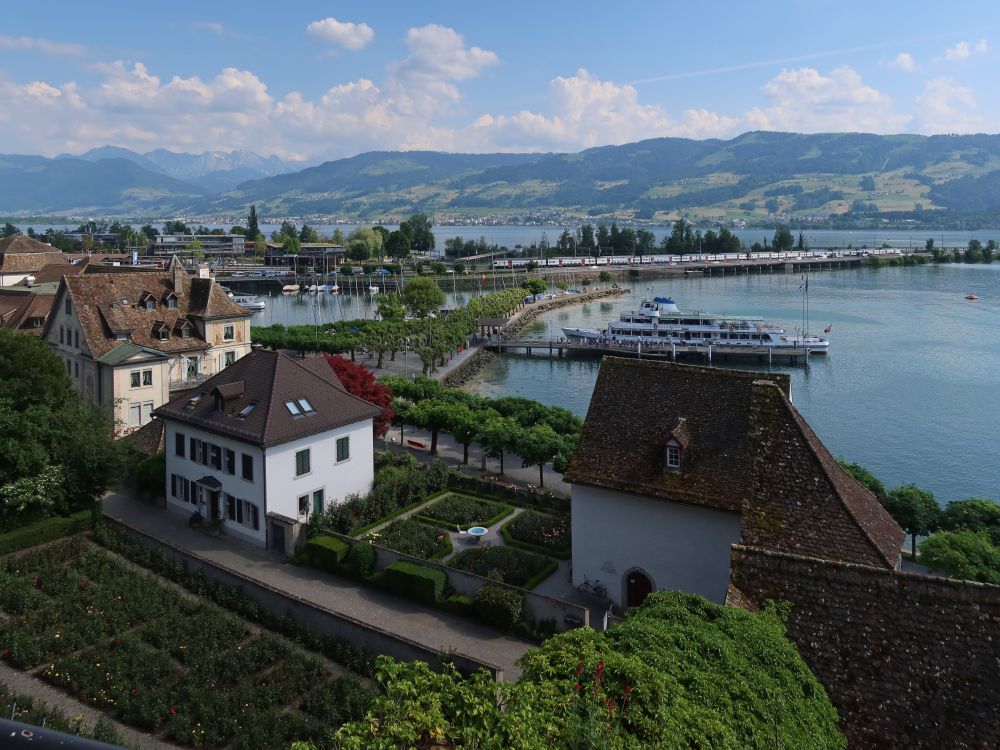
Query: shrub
414, 538
499, 606
151, 475
515, 567
541, 531
462, 511
458, 604
326, 552
409, 579
361, 559
44, 531
437, 476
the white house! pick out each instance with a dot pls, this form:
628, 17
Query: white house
676, 464
265, 444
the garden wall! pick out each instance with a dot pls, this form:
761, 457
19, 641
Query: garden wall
908, 660
323, 621
537, 607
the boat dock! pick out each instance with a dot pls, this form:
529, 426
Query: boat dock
672, 352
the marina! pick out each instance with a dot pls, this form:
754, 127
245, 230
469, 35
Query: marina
708, 353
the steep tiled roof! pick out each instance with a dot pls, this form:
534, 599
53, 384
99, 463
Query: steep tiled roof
270, 379
635, 407
18, 308
22, 243
148, 439
55, 271
110, 302
745, 448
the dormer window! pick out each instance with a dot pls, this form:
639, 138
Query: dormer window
171, 301
673, 457
148, 301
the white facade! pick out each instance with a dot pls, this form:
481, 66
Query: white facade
273, 485
677, 546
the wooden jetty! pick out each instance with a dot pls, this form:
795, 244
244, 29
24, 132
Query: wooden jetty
673, 352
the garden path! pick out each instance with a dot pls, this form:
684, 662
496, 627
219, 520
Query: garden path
27, 684
438, 630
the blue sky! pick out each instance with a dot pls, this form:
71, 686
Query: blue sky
314, 80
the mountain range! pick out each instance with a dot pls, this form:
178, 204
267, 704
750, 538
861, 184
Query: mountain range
752, 176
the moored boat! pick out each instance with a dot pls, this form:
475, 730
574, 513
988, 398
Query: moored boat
248, 301
291, 288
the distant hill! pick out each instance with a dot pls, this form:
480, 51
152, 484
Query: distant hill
36, 185
754, 176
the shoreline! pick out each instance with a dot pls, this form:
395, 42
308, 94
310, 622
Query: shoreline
462, 373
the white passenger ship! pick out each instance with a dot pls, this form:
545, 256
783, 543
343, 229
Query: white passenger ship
658, 322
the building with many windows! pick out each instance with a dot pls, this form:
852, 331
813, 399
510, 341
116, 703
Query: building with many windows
211, 245
134, 338
264, 445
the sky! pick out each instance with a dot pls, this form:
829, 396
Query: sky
309, 81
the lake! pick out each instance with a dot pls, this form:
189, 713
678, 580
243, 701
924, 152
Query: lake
910, 389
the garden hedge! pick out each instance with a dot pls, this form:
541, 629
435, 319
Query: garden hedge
415, 581
499, 606
44, 531
327, 552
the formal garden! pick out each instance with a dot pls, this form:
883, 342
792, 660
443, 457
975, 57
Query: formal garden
166, 661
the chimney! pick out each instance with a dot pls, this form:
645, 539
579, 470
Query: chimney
179, 275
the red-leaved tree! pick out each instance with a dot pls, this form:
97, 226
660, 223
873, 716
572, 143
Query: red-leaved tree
359, 381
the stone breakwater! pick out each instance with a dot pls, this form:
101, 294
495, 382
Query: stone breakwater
467, 370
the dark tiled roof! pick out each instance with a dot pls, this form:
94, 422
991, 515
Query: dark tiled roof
747, 449
18, 308
318, 365
148, 439
270, 379
22, 243
635, 407
55, 271
98, 298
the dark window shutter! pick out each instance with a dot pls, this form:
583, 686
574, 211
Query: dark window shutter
239, 511
231, 507
256, 517
194, 449
173, 485
179, 444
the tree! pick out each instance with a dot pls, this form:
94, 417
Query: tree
260, 246
390, 307
308, 234
253, 227
772, 205
539, 445
434, 415
929, 245
422, 296
418, 227
586, 237
974, 514
645, 242
287, 229
364, 243
150, 231
291, 245
866, 478
172, 226
196, 248
868, 183
56, 451
674, 674
398, 245
783, 239
9, 230
915, 510
962, 554
359, 381
535, 286
498, 435
466, 426
603, 237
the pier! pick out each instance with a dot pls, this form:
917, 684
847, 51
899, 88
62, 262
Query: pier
673, 352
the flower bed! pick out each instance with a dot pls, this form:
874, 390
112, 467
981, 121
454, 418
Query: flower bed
458, 512
124, 642
512, 566
414, 538
540, 532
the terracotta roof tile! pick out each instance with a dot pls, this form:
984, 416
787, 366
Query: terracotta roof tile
148, 439
259, 415
19, 308
22, 243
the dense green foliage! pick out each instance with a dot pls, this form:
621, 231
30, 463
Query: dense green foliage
509, 565
414, 538
541, 532
426, 585
499, 606
459, 512
157, 658
915, 510
326, 552
680, 672
966, 554
57, 454
866, 478
28, 710
151, 475
974, 514
44, 531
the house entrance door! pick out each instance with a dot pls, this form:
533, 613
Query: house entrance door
277, 537
213, 499
638, 587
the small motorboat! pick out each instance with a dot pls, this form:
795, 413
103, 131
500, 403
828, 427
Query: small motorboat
373, 290
248, 301
972, 297
331, 288
291, 288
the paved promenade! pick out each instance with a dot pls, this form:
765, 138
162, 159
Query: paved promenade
440, 631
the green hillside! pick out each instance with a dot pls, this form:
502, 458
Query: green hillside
749, 177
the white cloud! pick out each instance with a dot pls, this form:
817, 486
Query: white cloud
807, 101
44, 46
903, 61
965, 50
945, 106
352, 36
214, 26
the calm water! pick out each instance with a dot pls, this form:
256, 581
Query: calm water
911, 388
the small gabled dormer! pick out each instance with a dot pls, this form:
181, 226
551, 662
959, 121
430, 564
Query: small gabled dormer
227, 393
677, 442
183, 328
170, 301
147, 302
161, 331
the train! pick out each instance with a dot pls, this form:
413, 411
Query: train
636, 260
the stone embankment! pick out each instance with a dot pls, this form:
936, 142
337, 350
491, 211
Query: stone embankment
468, 369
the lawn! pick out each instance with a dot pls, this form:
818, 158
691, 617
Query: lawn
414, 538
160, 660
513, 566
455, 511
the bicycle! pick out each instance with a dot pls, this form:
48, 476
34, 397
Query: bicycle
592, 585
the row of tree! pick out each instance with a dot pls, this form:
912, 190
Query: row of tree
974, 252
963, 537
539, 434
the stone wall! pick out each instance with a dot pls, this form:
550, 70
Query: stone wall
910, 661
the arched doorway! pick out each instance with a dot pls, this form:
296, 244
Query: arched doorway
637, 588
